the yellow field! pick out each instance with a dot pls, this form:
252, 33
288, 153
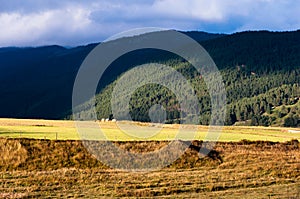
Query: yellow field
126, 131
58, 169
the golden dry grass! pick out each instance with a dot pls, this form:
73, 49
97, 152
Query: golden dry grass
238, 170
39, 168
12, 153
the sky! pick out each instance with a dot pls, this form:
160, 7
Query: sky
79, 22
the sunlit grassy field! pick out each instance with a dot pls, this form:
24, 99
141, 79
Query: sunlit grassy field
32, 168
129, 131
48, 168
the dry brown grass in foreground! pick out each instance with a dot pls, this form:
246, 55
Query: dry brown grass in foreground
44, 168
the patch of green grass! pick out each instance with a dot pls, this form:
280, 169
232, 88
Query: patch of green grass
39, 132
126, 131
282, 112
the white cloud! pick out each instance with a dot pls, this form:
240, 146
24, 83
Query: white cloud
73, 22
272, 15
194, 9
23, 29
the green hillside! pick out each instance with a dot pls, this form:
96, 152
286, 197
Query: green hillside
259, 109
286, 115
260, 71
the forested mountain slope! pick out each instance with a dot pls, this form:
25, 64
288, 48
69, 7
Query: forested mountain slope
260, 71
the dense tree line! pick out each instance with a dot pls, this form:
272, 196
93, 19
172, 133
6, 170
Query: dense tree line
260, 71
250, 97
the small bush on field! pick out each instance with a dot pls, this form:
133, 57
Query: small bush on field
12, 153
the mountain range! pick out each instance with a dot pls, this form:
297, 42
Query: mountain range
260, 70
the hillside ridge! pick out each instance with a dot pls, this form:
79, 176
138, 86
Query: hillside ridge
37, 82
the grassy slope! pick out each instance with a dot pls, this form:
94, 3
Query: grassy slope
61, 168
277, 110
65, 130
40, 168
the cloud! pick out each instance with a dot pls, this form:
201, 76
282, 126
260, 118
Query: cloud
74, 22
273, 15
41, 27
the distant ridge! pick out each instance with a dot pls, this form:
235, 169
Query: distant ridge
37, 82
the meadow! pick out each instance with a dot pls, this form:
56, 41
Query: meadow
46, 159
31, 168
66, 130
